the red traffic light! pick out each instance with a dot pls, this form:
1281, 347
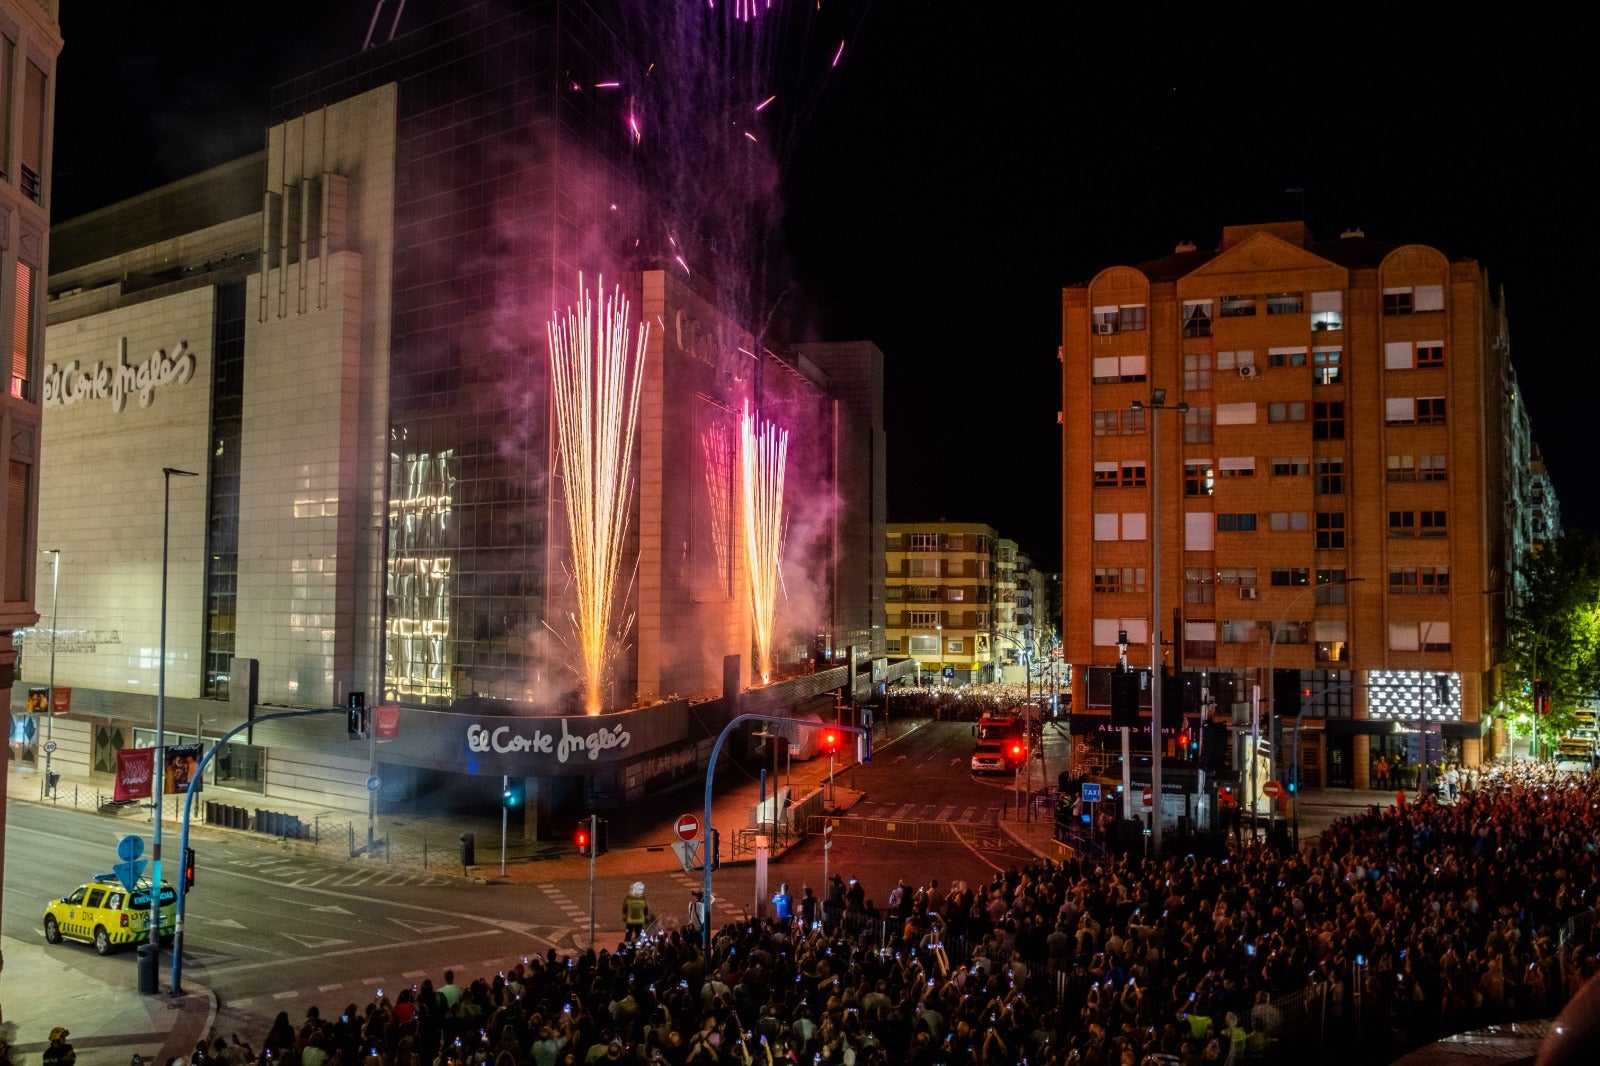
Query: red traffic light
830, 741
581, 838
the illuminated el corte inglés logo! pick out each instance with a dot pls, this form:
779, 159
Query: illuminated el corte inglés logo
503, 740
70, 383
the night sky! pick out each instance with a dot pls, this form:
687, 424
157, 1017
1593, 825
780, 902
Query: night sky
965, 161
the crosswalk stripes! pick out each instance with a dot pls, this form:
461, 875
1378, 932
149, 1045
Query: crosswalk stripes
293, 874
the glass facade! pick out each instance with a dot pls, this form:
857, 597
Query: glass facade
222, 539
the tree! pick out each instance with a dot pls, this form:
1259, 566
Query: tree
1553, 631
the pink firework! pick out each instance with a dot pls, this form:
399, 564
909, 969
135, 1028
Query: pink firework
744, 10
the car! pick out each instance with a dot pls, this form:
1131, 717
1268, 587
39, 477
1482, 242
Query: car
989, 757
104, 913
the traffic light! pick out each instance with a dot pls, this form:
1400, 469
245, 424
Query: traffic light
1183, 742
1541, 697
512, 793
1016, 751
714, 848
356, 716
1225, 797
581, 838
830, 741
188, 869
600, 845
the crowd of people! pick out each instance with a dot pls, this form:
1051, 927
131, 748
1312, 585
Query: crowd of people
1401, 925
966, 703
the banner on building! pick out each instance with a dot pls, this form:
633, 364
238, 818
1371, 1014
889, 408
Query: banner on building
181, 762
386, 721
62, 701
134, 767
38, 700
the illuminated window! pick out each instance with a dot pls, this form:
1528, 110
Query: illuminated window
1325, 366
1327, 310
1198, 479
1238, 306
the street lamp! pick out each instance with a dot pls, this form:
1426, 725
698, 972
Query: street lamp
1272, 708
1157, 404
50, 708
159, 761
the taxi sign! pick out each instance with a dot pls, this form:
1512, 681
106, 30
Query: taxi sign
1091, 792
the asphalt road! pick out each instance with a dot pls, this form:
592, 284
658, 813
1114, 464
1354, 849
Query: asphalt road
269, 930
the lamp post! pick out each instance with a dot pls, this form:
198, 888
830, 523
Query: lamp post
55, 617
1156, 404
159, 761
1272, 703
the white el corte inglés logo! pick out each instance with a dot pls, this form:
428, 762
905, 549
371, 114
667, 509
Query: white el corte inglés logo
69, 383
503, 740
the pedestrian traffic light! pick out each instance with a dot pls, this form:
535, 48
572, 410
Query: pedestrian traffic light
1541, 697
512, 793
188, 869
830, 741
714, 848
581, 838
356, 716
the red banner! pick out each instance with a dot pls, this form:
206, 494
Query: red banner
63, 701
386, 721
134, 767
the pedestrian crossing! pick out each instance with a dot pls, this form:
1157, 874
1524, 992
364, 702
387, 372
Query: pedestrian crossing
294, 872
926, 812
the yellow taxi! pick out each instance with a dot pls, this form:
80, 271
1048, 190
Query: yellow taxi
105, 914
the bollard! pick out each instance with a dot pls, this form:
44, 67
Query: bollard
467, 856
148, 985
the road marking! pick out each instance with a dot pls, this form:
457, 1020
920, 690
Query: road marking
313, 942
421, 927
330, 908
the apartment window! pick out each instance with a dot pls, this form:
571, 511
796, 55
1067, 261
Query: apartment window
1430, 353
1197, 371
1402, 524
1419, 580
1430, 410
1427, 298
1133, 422
32, 119
1326, 365
1290, 576
1106, 423
925, 542
923, 619
1130, 318
1197, 478
1397, 301
1330, 476
1288, 522
1400, 411
8, 58
1291, 465
1240, 632
1290, 633
1331, 587
1114, 369
1419, 636
1286, 303
1104, 319
1327, 310
22, 332
1105, 475
1327, 420
1402, 468
923, 594
1242, 576
1431, 523
1286, 412
1133, 475
923, 568
1236, 414
1236, 361
1238, 307
1431, 467
1119, 579
1199, 585
1286, 356
1111, 525
1200, 640
1197, 318
1242, 522
1197, 425
955, 595
1330, 530
1237, 466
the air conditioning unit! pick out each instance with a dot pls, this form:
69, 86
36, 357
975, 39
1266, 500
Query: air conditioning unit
1248, 371
1105, 329
1247, 592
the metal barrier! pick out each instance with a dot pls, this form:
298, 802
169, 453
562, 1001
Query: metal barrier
1579, 929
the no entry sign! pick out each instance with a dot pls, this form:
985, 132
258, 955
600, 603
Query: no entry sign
1273, 789
688, 827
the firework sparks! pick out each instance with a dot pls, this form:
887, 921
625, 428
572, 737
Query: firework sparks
717, 445
763, 453
745, 10
838, 55
595, 385
763, 104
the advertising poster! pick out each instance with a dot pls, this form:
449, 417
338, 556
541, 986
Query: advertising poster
133, 773
181, 762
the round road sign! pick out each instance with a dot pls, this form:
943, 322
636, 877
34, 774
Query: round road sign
1147, 797
688, 827
49, 747
374, 783
1273, 789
